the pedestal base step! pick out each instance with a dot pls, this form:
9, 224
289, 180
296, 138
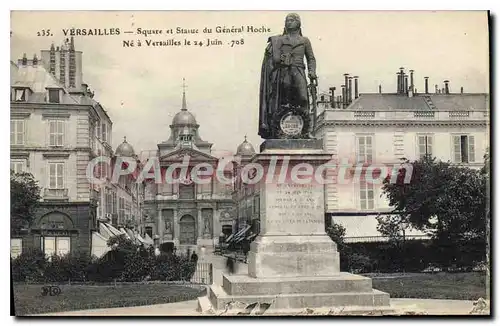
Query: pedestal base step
344, 291
242, 285
374, 302
219, 299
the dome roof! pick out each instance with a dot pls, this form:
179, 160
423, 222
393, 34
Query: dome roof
184, 117
245, 149
125, 149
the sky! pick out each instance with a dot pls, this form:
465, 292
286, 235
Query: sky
141, 87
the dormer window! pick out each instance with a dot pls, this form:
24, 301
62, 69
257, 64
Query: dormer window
20, 94
54, 95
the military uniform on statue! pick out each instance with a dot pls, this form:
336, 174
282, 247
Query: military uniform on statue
292, 264
284, 92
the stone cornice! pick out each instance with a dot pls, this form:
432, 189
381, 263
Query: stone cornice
403, 123
20, 148
20, 155
44, 106
56, 115
22, 115
56, 155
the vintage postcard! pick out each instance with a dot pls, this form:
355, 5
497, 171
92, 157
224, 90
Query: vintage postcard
251, 163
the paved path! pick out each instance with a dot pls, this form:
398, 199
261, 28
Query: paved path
188, 308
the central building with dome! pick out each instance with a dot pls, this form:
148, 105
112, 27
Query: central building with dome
188, 214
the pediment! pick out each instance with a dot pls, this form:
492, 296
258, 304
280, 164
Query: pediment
194, 155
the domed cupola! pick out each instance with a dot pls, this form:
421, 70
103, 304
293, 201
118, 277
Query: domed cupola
245, 149
125, 149
184, 117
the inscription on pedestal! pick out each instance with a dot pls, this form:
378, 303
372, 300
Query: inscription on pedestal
295, 209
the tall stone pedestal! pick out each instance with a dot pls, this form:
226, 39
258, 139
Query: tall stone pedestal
293, 264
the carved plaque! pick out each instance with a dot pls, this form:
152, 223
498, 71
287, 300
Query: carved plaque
295, 209
291, 124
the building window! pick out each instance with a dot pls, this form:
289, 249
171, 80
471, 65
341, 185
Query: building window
54, 96
424, 145
114, 218
17, 132
127, 211
92, 136
20, 95
121, 210
16, 247
18, 166
56, 175
108, 202
366, 196
364, 148
59, 246
98, 130
463, 149
104, 133
56, 133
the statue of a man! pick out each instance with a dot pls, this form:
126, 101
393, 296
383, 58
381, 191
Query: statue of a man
283, 84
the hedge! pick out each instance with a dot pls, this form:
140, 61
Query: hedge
412, 256
117, 265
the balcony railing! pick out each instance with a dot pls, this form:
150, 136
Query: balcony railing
55, 193
389, 115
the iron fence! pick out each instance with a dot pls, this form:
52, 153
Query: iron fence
203, 274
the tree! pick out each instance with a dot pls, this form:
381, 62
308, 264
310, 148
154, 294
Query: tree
24, 200
444, 200
337, 233
485, 171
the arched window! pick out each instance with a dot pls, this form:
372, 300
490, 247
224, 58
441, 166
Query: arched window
55, 221
54, 240
187, 234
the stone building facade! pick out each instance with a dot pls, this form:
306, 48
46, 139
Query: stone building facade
57, 128
380, 129
185, 213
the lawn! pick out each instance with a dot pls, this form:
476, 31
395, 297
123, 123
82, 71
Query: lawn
456, 286
28, 298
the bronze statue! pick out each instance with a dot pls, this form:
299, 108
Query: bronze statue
284, 98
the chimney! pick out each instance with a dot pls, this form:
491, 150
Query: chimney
332, 97
25, 60
346, 85
446, 87
401, 80
322, 98
405, 84
343, 96
426, 85
339, 101
437, 89
35, 60
412, 86
350, 90
356, 89
380, 88
461, 90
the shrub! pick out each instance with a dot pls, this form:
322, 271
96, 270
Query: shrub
127, 262
29, 266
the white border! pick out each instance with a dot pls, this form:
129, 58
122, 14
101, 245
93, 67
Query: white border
192, 5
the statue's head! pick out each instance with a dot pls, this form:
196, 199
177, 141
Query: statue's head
292, 23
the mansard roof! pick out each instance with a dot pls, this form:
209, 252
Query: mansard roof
421, 102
